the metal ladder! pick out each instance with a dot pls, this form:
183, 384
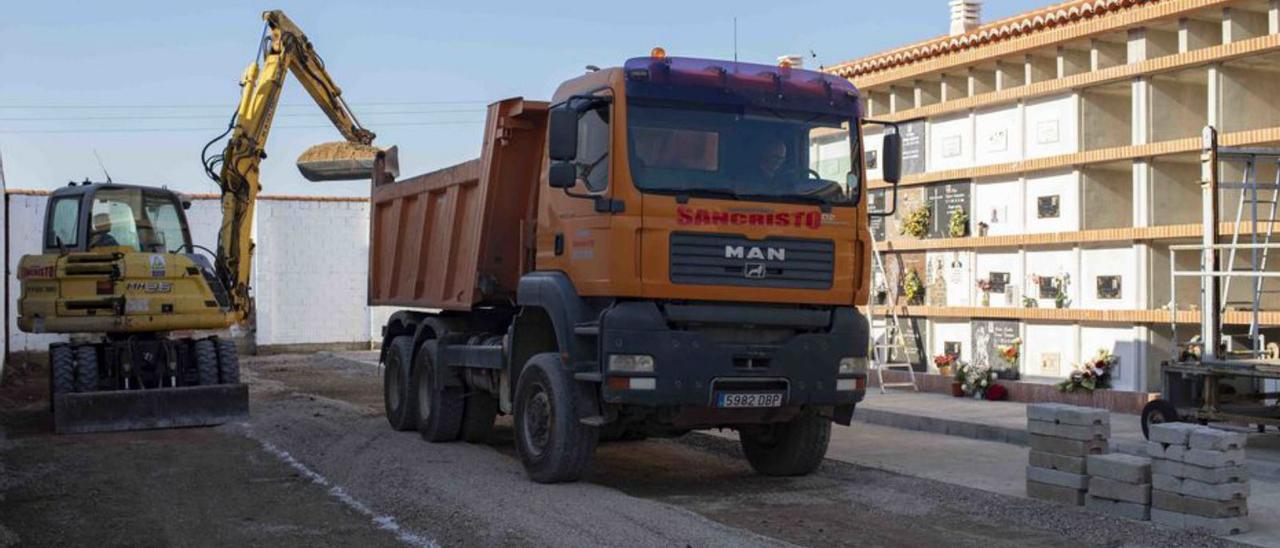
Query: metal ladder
891, 344
1262, 209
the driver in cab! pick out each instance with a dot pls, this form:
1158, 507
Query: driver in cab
765, 174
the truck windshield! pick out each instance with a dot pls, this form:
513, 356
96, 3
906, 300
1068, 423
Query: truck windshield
743, 153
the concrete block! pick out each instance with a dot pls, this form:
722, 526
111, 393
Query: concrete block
1226, 474
1057, 477
1212, 439
1068, 414
1214, 459
1063, 446
1130, 510
1155, 449
1173, 433
1069, 431
1193, 488
1122, 468
1182, 504
1215, 526
1128, 492
1055, 493
1063, 463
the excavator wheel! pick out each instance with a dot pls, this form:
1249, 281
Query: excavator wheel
62, 370
86, 368
206, 362
228, 362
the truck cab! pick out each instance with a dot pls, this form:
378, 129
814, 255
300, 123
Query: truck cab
688, 254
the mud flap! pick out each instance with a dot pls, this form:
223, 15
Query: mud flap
113, 411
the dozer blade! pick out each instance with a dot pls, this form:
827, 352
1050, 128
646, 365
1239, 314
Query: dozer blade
337, 161
112, 411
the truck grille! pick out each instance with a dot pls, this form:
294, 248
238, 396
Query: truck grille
721, 259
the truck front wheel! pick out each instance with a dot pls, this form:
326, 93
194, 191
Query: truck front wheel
793, 448
396, 398
552, 442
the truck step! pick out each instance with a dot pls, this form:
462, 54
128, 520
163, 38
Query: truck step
588, 376
590, 329
598, 420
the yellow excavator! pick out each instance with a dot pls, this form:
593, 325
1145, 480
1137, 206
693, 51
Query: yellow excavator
146, 309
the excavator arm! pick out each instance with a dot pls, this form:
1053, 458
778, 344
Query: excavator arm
284, 49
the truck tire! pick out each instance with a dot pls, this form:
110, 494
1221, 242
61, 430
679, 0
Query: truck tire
478, 416
62, 370
793, 448
396, 397
553, 444
206, 362
439, 408
228, 362
86, 368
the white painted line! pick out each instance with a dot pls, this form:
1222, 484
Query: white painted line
384, 522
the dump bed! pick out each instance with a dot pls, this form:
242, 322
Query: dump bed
461, 235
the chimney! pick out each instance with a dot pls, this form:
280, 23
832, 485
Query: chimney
793, 61
966, 15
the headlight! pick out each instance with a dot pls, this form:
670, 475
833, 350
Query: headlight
631, 363
849, 366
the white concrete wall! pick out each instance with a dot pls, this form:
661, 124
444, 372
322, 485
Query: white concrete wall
1119, 341
310, 268
1052, 263
1065, 185
950, 142
1050, 350
1052, 126
998, 204
1005, 262
950, 331
311, 272
998, 135
1113, 261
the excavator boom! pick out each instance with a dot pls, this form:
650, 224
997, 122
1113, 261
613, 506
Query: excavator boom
285, 49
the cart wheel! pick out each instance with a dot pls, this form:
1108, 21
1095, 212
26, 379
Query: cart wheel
1157, 412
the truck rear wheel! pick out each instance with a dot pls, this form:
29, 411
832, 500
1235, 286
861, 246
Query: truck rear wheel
396, 397
552, 442
86, 368
62, 370
478, 416
439, 408
206, 362
228, 362
793, 448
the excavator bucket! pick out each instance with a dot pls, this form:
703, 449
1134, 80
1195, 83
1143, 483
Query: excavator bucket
117, 410
337, 161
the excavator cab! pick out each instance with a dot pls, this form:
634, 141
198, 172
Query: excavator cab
92, 217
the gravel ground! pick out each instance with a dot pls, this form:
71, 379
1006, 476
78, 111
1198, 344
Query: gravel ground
318, 464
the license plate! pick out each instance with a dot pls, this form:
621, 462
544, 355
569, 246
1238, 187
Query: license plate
749, 399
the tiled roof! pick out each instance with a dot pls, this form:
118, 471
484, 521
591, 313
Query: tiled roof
1057, 15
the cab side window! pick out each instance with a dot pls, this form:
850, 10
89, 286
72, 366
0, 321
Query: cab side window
64, 222
593, 149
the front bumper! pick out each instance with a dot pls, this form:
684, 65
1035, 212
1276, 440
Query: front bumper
691, 368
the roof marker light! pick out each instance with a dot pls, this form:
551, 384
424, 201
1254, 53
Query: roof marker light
658, 53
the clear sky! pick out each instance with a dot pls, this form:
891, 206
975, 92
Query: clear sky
147, 84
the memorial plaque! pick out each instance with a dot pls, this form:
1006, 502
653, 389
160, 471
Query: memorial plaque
1109, 287
913, 147
988, 337
1050, 363
1047, 289
999, 281
951, 348
877, 200
1047, 207
944, 200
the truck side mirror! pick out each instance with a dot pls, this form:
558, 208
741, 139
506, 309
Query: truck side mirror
892, 158
562, 134
562, 175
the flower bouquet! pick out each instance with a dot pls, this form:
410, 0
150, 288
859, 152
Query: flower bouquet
944, 362
1009, 354
1094, 374
975, 379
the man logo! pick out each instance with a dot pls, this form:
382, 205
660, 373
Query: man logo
753, 271
757, 253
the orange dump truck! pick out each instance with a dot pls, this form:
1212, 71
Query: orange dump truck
670, 245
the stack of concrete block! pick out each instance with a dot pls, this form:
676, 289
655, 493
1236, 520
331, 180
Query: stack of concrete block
1061, 437
1199, 478
1120, 485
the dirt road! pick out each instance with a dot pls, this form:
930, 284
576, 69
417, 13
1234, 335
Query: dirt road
317, 464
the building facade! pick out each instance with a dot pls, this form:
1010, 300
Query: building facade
1050, 161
